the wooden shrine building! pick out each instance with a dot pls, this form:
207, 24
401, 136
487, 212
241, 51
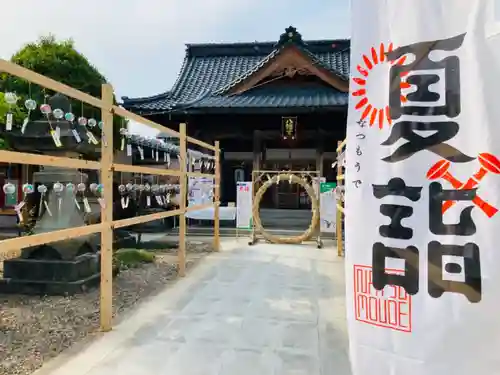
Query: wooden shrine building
273, 105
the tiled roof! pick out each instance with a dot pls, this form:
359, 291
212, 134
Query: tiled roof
209, 70
311, 95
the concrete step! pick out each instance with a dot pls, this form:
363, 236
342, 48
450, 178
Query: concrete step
232, 232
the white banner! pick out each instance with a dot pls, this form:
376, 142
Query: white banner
244, 205
422, 188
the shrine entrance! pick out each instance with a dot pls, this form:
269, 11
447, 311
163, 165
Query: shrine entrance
263, 181
288, 196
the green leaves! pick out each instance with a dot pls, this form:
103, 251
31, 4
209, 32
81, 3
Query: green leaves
16, 110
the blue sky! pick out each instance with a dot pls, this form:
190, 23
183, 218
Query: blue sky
139, 44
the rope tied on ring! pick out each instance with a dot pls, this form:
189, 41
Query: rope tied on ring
309, 232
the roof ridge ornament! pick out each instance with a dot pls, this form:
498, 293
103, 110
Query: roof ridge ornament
290, 36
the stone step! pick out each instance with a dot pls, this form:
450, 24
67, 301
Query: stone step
232, 232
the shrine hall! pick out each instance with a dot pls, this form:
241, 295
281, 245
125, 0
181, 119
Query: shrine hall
278, 105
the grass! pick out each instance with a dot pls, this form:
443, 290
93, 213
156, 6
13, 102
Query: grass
130, 258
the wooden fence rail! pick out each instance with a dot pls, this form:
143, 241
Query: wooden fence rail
106, 167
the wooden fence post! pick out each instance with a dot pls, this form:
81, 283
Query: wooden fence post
216, 244
182, 199
106, 300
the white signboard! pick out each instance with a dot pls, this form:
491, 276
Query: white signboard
244, 205
422, 188
200, 190
328, 207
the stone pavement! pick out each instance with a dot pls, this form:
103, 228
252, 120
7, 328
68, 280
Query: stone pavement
266, 309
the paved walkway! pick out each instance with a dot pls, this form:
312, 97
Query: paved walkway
266, 309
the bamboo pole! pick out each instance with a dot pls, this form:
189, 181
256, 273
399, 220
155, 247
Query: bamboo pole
106, 301
199, 174
200, 143
144, 170
199, 207
340, 145
144, 218
216, 244
339, 202
182, 200
53, 161
14, 244
120, 111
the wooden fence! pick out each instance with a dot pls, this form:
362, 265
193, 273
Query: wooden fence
106, 167
340, 207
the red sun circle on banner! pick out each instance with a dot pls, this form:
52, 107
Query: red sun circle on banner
370, 111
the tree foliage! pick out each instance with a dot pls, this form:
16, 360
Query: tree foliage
60, 61
17, 112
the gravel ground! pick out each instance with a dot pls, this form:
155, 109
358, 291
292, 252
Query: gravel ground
36, 329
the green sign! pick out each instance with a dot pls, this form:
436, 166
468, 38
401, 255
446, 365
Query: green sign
327, 186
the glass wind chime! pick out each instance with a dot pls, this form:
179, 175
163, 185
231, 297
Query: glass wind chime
58, 114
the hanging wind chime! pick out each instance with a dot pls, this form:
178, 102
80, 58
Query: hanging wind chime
26, 189
70, 117
30, 105
42, 189
124, 200
11, 100
58, 188
81, 187
147, 189
70, 189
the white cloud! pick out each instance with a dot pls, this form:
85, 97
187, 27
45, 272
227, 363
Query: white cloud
139, 44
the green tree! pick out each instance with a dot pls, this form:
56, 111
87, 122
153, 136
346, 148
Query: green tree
17, 112
60, 61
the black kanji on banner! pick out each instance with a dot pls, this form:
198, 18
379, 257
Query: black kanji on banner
289, 127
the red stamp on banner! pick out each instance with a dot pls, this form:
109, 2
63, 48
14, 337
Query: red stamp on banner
388, 308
